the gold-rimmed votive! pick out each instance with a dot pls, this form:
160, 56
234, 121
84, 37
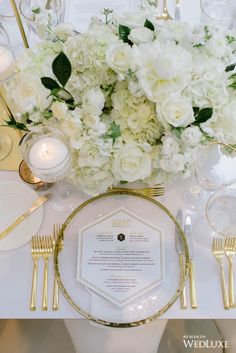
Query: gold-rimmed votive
29, 178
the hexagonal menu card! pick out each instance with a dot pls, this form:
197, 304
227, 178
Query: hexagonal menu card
120, 256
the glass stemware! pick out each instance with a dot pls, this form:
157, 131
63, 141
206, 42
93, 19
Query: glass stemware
8, 21
46, 150
221, 212
6, 72
215, 168
217, 13
29, 9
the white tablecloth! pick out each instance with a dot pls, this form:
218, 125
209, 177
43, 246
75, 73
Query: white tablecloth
16, 273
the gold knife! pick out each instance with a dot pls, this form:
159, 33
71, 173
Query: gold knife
38, 203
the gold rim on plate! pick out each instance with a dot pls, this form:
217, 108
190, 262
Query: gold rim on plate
120, 324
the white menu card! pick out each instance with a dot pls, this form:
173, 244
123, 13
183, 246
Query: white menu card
120, 256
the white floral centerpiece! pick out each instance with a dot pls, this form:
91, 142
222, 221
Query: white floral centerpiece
135, 96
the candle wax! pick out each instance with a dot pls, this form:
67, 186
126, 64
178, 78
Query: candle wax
48, 153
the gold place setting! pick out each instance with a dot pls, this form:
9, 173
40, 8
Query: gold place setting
117, 193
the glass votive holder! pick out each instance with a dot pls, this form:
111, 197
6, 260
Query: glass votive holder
217, 13
29, 178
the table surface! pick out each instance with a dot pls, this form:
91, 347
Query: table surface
16, 272
16, 266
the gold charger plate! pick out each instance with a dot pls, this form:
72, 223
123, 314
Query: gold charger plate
143, 309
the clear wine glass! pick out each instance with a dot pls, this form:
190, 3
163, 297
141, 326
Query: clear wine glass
221, 212
8, 20
6, 72
29, 8
215, 168
46, 150
217, 13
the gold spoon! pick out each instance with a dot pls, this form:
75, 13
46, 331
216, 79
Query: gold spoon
165, 14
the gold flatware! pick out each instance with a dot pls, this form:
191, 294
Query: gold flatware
56, 231
46, 251
192, 284
180, 250
219, 251
35, 253
149, 191
38, 203
230, 252
165, 14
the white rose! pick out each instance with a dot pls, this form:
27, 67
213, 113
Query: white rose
120, 58
29, 92
139, 118
59, 110
217, 45
175, 164
191, 136
176, 111
141, 35
131, 163
93, 101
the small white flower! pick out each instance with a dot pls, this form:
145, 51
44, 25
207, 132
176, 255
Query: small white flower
191, 136
217, 45
93, 101
59, 110
174, 165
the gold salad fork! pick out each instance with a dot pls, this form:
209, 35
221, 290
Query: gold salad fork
35, 253
155, 191
46, 252
230, 250
56, 231
219, 251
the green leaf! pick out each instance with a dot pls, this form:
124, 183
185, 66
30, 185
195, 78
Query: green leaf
196, 111
36, 10
124, 32
61, 68
230, 67
16, 125
233, 85
232, 77
123, 182
49, 83
203, 115
177, 131
148, 24
113, 132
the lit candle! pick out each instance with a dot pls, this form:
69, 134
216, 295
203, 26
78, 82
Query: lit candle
49, 158
6, 63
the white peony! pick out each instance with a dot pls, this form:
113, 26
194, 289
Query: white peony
120, 58
131, 163
93, 101
141, 35
176, 111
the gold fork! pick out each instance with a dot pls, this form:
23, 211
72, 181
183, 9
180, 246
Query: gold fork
230, 252
218, 251
151, 191
35, 253
56, 231
46, 251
